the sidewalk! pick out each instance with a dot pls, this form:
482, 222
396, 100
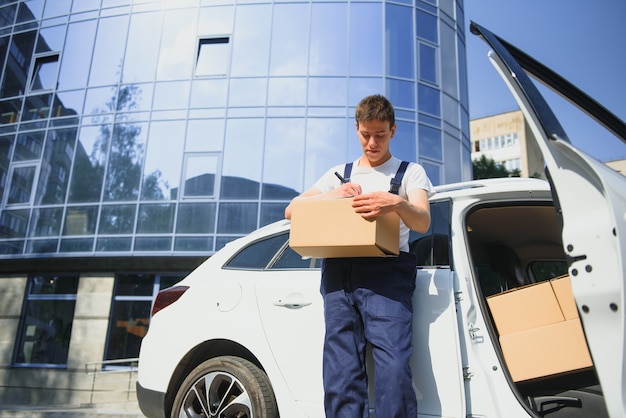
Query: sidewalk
125, 410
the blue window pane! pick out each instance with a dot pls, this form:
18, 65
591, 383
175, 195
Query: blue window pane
403, 142
428, 63
290, 32
251, 46
46, 222
328, 48
401, 93
196, 218
237, 218
193, 244
430, 142
76, 245
426, 26
429, 100
80, 220
155, 218
153, 244
113, 244
117, 219
399, 41
366, 61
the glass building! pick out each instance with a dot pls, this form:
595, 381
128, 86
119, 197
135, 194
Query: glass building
137, 137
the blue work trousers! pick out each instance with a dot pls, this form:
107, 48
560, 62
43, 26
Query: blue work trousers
368, 300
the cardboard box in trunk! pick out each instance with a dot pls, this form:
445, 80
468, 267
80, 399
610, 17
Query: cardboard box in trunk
330, 228
540, 331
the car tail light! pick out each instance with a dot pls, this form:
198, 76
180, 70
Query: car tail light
168, 296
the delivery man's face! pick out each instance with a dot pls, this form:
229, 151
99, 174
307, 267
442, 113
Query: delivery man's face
375, 136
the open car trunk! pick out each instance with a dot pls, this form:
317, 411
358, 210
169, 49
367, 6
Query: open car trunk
516, 253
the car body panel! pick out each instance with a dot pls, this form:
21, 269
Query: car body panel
592, 201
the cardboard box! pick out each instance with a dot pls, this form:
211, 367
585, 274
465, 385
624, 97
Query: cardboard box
562, 287
546, 350
330, 228
525, 308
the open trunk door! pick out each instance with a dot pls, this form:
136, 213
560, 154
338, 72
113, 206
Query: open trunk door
591, 200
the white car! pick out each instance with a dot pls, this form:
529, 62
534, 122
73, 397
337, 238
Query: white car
242, 335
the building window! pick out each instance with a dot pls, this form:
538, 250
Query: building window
44, 74
44, 336
213, 57
130, 314
200, 173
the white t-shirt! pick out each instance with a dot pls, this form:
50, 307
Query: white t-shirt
377, 179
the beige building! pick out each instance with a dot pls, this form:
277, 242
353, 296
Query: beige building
507, 139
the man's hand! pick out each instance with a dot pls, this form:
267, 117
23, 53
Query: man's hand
374, 204
414, 212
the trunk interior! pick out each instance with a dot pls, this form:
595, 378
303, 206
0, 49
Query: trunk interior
516, 252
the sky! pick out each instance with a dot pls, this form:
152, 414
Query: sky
583, 41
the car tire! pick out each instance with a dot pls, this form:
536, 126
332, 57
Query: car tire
225, 387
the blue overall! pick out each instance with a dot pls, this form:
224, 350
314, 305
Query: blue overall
368, 299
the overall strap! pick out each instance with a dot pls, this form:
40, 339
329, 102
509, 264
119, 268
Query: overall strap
397, 180
346, 172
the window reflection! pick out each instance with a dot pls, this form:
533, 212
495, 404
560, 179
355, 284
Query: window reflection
161, 174
123, 174
108, 51
89, 160
284, 152
430, 142
426, 25
428, 63
174, 95
366, 61
403, 142
117, 219
428, 99
328, 145
155, 218
46, 222
290, 31
141, 50
237, 218
177, 38
55, 166
196, 218
200, 173
251, 47
241, 172
399, 48
247, 92
327, 92
80, 220
328, 48
76, 55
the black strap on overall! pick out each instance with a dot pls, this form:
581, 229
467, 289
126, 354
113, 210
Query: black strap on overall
396, 181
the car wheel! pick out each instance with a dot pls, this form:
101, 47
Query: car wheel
225, 387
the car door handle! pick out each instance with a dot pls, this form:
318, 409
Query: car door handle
292, 302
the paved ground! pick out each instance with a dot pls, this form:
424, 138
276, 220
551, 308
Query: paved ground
124, 410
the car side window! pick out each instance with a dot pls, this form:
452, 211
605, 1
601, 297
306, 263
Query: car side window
433, 247
259, 254
289, 259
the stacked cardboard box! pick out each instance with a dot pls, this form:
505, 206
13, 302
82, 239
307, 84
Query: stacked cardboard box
540, 331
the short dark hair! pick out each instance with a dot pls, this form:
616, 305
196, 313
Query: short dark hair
375, 107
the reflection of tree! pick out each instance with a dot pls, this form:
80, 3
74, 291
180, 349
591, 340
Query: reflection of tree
126, 155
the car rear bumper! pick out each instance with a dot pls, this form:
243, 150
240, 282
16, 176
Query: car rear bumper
151, 402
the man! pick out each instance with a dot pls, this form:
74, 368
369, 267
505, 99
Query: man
370, 299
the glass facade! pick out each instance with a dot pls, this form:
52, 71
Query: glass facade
172, 127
